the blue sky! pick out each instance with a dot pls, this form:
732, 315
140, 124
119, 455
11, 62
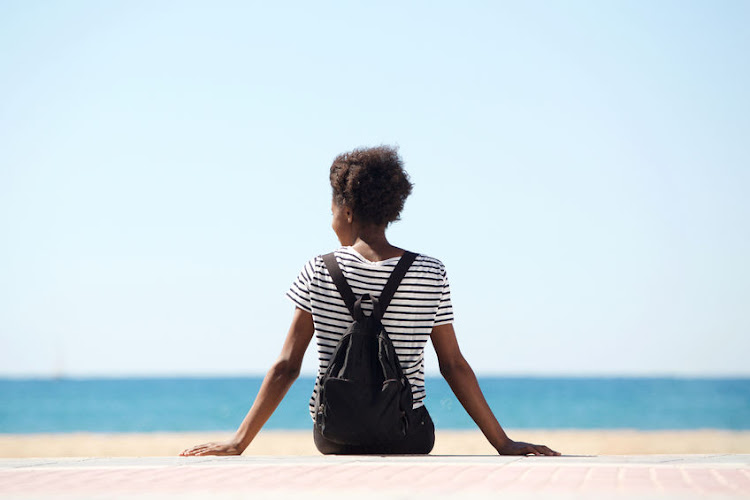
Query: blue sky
582, 169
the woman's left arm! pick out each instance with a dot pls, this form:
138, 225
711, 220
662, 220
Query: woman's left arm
463, 382
275, 385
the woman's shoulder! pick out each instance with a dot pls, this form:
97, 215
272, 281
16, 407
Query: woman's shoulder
426, 263
428, 260
348, 257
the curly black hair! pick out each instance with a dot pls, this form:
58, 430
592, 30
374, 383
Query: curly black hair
372, 182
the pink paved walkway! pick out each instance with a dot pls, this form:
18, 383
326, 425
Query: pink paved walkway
433, 477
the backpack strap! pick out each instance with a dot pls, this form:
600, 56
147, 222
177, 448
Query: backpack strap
397, 275
386, 295
339, 280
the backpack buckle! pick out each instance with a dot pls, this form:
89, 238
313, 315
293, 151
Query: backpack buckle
359, 315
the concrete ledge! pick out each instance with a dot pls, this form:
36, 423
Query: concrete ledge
648, 476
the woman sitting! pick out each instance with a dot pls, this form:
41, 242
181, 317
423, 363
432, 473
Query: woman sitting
370, 187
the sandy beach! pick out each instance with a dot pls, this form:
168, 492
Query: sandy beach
579, 442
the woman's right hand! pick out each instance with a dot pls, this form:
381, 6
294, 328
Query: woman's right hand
227, 448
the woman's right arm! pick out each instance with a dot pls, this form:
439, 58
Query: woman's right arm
463, 382
275, 385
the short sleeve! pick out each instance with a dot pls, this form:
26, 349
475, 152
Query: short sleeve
444, 314
299, 292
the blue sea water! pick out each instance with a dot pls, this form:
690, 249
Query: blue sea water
199, 404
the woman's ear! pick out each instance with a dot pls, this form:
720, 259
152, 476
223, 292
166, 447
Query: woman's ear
349, 215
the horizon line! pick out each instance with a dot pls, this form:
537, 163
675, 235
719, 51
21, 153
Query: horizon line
510, 375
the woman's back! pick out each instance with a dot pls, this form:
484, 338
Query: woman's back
421, 302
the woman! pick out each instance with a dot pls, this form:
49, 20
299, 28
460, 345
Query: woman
370, 187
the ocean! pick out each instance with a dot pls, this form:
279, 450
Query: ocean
209, 404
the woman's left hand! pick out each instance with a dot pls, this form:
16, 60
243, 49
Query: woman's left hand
227, 448
521, 448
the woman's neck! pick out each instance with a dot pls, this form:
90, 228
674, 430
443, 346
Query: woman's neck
372, 244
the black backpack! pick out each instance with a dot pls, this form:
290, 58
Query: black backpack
364, 397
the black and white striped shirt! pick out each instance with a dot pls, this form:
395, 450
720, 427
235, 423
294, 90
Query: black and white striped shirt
421, 302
